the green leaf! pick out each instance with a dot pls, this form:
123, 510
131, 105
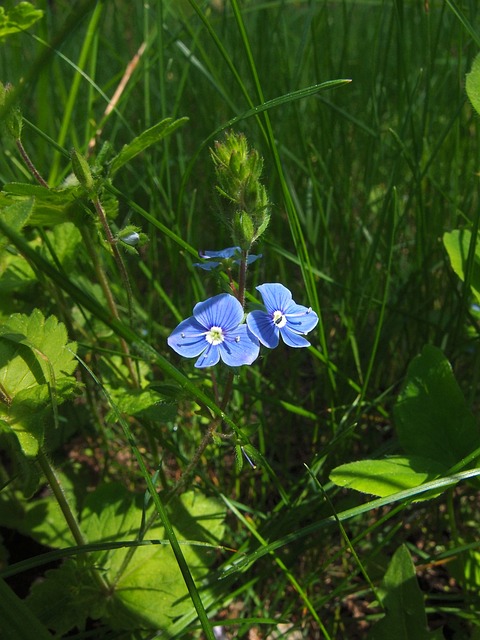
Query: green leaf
66, 597
145, 140
41, 519
457, 244
18, 621
36, 363
150, 591
51, 206
146, 403
472, 84
385, 477
405, 617
18, 18
16, 217
431, 415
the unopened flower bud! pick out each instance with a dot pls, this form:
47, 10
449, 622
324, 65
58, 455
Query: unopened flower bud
81, 170
243, 230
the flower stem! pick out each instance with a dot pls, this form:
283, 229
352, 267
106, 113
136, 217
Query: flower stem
242, 277
104, 284
31, 167
216, 422
116, 253
68, 514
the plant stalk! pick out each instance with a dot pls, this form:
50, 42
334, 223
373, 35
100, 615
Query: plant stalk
69, 516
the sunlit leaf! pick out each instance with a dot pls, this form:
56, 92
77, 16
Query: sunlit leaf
472, 84
18, 18
144, 140
150, 591
457, 244
36, 363
386, 477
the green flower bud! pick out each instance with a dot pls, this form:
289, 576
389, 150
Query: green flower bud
238, 171
81, 170
243, 230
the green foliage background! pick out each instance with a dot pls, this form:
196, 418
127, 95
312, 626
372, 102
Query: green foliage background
366, 175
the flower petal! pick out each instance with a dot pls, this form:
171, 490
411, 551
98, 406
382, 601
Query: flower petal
251, 258
188, 339
208, 266
241, 347
292, 338
263, 328
302, 321
209, 357
223, 311
223, 253
275, 296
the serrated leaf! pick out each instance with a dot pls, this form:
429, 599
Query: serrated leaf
36, 363
18, 18
385, 477
150, 592
405, 617
457, 244
66, 597
144, 140
472, 84
431, 415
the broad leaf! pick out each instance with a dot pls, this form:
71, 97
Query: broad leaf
18, 18
66, 597
51, 206
431, 415
36, 363
385, 477
457, 244
405, 617
146, 403
16, 217
150, 591
145, 140
472, 84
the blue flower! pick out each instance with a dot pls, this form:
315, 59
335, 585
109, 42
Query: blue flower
224, 254
283, 317
214, 332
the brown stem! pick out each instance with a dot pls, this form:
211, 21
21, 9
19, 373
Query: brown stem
29, 163
105, 286
116, 253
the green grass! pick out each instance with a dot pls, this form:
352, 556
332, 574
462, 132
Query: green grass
364, 178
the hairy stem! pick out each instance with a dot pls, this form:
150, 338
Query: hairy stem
116, 253
68, 514
104, 284
31, 167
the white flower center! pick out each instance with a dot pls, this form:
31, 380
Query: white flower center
279, 319
215, 335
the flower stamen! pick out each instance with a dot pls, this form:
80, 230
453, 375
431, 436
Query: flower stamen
279, 319
215, 335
